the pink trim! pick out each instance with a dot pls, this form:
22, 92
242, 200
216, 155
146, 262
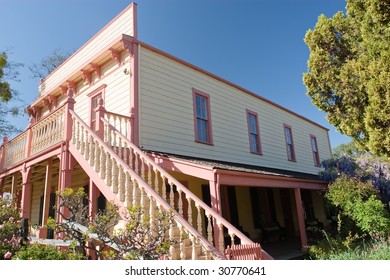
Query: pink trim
291, 157
134, 96
195, 93
131, 6
196, 68
77, 74
316, 155
258, 142
87, 77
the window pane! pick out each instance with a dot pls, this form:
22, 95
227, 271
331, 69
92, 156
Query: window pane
201, 109
288, 135
252, 124
202, 130
313, 144
253, 143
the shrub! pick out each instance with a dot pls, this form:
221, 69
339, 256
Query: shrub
9, 227
40, 252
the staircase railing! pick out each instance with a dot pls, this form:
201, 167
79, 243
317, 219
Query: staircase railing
214, 227
127, 186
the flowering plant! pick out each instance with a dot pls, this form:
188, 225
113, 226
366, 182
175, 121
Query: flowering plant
9, 227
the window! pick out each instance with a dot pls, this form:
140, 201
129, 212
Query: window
314, 149
289, 143
253, 131
202, 117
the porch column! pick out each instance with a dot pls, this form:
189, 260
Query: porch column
93, 195
2, 180
301, 219
26, 192
216, 206
46, 199
13, 185
29, 138
2, 152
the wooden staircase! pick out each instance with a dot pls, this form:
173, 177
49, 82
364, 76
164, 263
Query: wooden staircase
127, 176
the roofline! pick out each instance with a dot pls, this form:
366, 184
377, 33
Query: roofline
196, 68
132, 5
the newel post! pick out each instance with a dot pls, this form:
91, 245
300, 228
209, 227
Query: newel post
29, 137
69, 106
2, 152
99, 111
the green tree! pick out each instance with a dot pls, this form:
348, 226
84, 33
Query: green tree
8, 72
349, 72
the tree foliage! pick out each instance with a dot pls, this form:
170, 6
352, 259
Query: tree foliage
8, 72
349, 72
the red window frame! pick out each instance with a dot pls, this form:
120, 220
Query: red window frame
253, 132
202, 117
314, 150
288, 135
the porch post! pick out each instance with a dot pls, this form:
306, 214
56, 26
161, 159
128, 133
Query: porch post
66, 164
216, 206
29, 137
93, 195
2, 180
301, 219
26, 192
13, 184
2, 152
46, 199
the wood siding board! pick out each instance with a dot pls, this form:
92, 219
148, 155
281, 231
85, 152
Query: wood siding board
166, 92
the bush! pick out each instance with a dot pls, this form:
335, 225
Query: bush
359, 201
40, 252
9, 227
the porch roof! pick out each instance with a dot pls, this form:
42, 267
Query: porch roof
238, 167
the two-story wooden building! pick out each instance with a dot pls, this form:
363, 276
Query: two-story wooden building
135, 125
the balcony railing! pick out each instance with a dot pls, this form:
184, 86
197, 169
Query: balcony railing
38, 137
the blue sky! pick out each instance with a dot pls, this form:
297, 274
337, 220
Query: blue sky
257, 44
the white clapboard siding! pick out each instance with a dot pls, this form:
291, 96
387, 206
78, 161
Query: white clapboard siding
122, 24
116, 92
167, 121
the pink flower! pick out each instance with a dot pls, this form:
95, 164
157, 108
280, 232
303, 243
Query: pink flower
11, 219
7, 255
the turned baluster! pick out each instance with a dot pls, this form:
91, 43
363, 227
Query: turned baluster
199, 218
114, 176
221, 238
209, 229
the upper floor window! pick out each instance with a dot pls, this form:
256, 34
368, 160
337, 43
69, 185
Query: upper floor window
289, 143
314, 149
254, 132
202, 117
